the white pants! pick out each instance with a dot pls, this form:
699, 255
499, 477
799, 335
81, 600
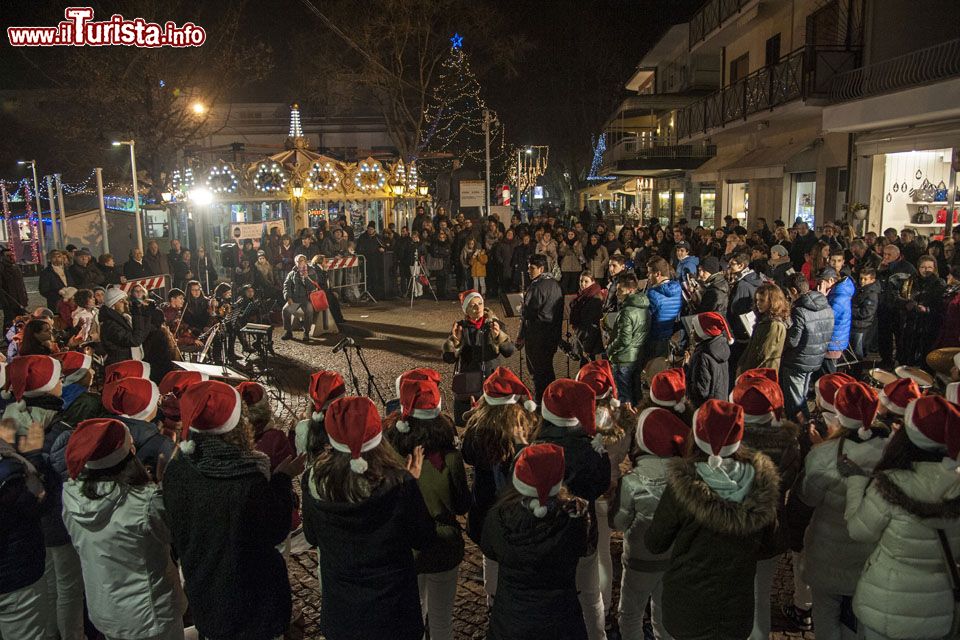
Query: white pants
480, 283
802, 597
21, 613
490, 572
762, 586
437, 593
603, 554
588, 588
636, 588
63, 604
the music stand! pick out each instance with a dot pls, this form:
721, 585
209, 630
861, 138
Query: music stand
217, 371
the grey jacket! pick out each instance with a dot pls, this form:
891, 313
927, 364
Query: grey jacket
811, 327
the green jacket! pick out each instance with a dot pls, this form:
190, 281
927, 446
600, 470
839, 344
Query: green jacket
765, 346
630, 330
447, 495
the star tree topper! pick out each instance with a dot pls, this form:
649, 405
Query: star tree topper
456, 41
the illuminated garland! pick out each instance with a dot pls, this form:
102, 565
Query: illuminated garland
412, 178
270, 177
369, 177
296, 130
34, 226
182, 181
531, 165
598, 150
323, 177
222, 179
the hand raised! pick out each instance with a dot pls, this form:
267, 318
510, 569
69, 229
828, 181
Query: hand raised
415, 462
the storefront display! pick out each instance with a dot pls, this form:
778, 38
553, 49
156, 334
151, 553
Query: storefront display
708, 203
803, 197
915, 190
738, 201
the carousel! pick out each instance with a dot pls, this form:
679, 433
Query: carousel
294, 189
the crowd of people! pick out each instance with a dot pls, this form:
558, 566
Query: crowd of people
723, 418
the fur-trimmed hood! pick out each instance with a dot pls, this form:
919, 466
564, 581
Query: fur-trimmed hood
927, 492
757, 511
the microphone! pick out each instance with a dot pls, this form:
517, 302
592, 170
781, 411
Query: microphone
343, 344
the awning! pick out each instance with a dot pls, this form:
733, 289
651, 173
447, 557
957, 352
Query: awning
709, 171
939, 136
769, 162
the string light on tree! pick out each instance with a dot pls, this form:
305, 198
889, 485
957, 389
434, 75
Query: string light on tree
598, 150
270, 177
222, 179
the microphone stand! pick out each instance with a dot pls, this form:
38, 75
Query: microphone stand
371, 379
353, 375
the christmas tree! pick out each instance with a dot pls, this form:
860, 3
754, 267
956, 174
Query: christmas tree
454, 117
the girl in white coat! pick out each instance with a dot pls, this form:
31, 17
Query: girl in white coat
906, 590
660, 436
832, 560
114, 513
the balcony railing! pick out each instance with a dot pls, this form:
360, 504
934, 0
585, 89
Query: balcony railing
635, 148
938, 62
801, 74
711, 16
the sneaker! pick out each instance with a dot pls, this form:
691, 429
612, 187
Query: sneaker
288, 335
306, 336
799, 618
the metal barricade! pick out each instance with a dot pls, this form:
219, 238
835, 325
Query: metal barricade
358, 262
151, 283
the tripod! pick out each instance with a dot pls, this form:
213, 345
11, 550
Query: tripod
372, 386
417, 273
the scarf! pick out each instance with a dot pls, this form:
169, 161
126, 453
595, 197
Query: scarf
215, 458
731, 480
477, 324
60, 272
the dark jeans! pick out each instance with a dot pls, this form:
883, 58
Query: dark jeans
623, 377
858, 344
736, 350
539, 355
795, 385
888, 328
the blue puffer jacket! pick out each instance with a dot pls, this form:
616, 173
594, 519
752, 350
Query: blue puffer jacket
687, 265
666, 299
840, 298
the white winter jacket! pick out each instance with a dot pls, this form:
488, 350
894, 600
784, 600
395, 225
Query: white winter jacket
640, 493
133, 588
905, 589
833, 561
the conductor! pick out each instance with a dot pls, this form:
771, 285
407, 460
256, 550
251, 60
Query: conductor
541, 323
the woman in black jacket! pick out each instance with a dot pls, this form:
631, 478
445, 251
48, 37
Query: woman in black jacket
196, 316
476, 345
586, 312
518, 262
226, 515
122, 330
363, 510
441, 250
536, 533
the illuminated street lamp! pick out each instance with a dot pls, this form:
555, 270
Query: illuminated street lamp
423, 189
201, 196
298, 191
397, 189
199, 108
136, 190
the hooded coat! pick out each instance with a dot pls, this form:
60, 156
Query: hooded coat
366, 560
840, 298
132, 586
536, 585
905, 589
666, 300
708, 589
586, 313
741, 302
630, 331
809, 334
640, 493
708, 375
716, 294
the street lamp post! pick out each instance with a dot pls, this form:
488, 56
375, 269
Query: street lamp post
136, 191
36, 194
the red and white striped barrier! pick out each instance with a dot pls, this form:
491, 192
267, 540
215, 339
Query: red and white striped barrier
153, 282
341, 263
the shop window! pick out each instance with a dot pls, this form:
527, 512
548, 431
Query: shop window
804, 197
739, 68
708, 203
738, 201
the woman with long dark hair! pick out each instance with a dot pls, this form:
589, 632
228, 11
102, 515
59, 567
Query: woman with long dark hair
908, 513
363, 510
596, 256
114, 513
586, 312
38, 338
196, 315
443, 483
571, 261
537, 532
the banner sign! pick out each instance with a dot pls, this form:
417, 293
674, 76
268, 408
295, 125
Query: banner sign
471, 193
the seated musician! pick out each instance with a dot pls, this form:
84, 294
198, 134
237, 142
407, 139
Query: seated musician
196, 318
222, 299
173, 311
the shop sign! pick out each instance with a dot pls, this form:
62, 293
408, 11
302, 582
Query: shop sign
248, 231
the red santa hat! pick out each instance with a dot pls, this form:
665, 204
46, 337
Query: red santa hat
73, 365
952, 392
538, 475
896, 395
467, 296
504, 387
325, 387
827, 387
31, 376
420, 373
568, 403
718, 429
251, 392
760, 372
856, 407
176, 382
126, 369
760, 398
668, 388
710, 325
928, 422
598, 375
661, 433
133, 398
99, 443
418, 399
209, 408
353, 426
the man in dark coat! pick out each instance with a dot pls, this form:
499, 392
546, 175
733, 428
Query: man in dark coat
13, 298
802, 245
541, 323
371, 248
155, 262
921, 313
807, 340
714, 288
134, 267
297, 287
84, 273
54, 277
231, 252
866, 300
745, 283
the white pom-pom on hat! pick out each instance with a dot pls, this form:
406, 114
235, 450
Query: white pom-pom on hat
614, 403
403, 426
6, 395
358, 465
538, 509
714, 461
530, 405
318, 416
865, 433
188, 446
680, 407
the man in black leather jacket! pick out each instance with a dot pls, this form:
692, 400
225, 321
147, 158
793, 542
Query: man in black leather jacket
541, 323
